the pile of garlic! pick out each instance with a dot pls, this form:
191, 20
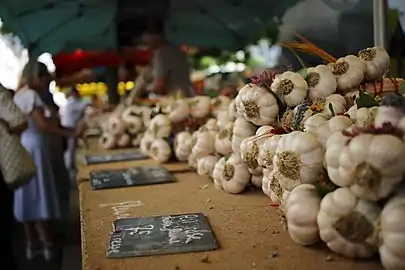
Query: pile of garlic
300, 138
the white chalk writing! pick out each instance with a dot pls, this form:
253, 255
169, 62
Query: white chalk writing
182, 228
121, 210
115, 244
141, 230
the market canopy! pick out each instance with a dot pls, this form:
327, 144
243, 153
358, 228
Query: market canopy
65, 25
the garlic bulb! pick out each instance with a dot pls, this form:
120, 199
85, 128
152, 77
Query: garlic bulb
347, 224
302, 208
377, 62
181, 145
249, 152
392, 237
160, 126
241, 130
202, 145
200, 106
235, 175
321, 82
290, 87
179, 110
145, 144
335, 124
123, 140
116, 126
370, 164
108, 140
220, 103
313, 122
223, 140
160, 151
217, 173
298, 160
222, 119
134, 124
267, 151
232, 113
349, 71
257, 105
363, 117
205, 165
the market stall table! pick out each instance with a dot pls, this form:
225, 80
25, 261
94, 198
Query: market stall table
246, 226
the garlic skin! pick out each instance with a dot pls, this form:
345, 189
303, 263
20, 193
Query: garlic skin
349, 72
200, 106
290, 87
179, 110
235, 175
217, 173
347, 224
256, 105
218, 104
377, 62
298, 160
160, 126
371, 165
302, 208
205, 165
181, 145
124, 140
333, 125
256, 180
267, 151
274, 190
392, 238
160, 151
108, 140
241, 130
321, 82
223, 140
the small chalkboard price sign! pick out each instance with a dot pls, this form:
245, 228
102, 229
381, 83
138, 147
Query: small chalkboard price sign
135, 237
116, 157
136, 176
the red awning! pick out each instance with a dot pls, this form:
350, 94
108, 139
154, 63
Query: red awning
67, 63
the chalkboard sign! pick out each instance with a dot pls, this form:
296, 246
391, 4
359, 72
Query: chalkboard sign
136, 176
134, 237
116, 157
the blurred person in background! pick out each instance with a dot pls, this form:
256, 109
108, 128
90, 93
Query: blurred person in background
36, 203
74, 112
170, 67
7, 115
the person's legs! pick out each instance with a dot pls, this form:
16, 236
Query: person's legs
45, 235
29, 238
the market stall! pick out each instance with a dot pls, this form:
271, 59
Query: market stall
247, 227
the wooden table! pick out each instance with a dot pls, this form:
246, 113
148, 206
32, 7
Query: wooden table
246, 227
